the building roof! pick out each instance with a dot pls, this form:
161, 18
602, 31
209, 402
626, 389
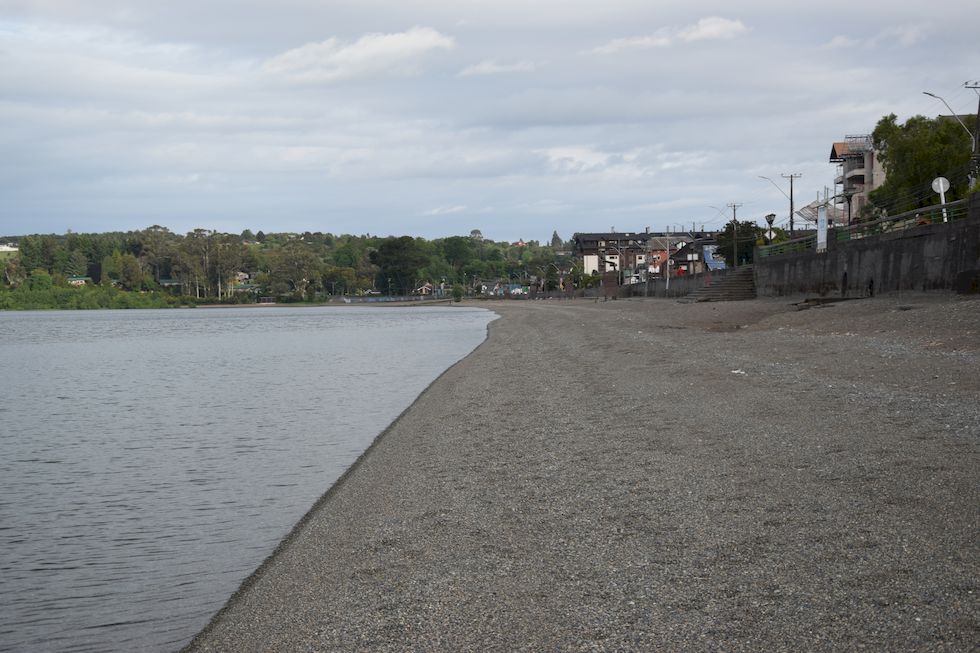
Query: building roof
837, 152
850, 146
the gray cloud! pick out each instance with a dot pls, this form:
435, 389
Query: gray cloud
436, 118
332, 60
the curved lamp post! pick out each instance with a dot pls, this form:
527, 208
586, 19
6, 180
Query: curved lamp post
973, 137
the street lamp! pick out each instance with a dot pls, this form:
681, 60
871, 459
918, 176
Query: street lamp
973, 137
619, 267
561, 276
776, 185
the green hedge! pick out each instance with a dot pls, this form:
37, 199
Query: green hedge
85, 297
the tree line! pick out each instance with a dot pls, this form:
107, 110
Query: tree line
206, 265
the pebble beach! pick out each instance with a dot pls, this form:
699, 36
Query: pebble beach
649, 475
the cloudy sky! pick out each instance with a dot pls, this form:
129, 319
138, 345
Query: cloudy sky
436, 117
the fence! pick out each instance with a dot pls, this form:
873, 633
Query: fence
911, 251
937, 213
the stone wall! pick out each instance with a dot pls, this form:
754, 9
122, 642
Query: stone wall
943, 256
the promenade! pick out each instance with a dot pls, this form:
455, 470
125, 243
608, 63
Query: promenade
653, 476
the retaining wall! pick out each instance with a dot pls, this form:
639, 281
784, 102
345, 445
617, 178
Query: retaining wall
944, 256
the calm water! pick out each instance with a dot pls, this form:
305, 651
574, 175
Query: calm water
150, 460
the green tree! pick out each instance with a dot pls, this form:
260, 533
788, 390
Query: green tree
748, 234
915, 153
556, 241
229, 257
192, 261
296, 269
71, 263
40, 279
457, 250
14, 273
340, 279
156, 250
39, 252
122, 269
399, 261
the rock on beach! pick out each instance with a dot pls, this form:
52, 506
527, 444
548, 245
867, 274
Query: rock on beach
649, 475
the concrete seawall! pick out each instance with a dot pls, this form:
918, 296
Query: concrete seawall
930, 257
649, 475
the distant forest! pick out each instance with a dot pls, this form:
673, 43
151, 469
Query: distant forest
155, 267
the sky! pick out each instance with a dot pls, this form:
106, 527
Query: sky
433, 118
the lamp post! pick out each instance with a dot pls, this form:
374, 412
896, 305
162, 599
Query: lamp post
622, 260
973, 137
561, 277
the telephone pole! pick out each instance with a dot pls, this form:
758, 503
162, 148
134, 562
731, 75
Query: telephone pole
791, 177
734, 207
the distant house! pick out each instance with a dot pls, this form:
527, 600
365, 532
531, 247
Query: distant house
75, 280
169, 283
634, 256
712, 258
697, 255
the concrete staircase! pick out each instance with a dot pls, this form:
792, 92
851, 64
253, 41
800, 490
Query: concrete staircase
735, 286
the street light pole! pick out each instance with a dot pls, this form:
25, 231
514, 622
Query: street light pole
619, 267
974, 138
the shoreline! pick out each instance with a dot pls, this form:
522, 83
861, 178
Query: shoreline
550, 491
310, 514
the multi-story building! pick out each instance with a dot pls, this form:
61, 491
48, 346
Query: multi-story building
859, 171
634, 256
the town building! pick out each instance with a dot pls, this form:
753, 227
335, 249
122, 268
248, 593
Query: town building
859, 171
632, 256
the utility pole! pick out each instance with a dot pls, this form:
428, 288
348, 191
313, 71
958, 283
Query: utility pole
791, 177
734, 207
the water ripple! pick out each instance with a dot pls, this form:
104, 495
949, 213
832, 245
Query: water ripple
150, 460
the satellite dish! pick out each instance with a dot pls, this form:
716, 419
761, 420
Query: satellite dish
940, 185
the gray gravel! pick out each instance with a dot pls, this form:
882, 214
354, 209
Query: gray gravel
649, 475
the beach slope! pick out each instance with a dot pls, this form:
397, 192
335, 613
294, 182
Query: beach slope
649, 475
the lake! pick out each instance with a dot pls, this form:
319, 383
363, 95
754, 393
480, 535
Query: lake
151, 460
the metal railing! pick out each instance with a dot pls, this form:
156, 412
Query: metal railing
909, 220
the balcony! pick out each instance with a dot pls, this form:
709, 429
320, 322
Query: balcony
855, 176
